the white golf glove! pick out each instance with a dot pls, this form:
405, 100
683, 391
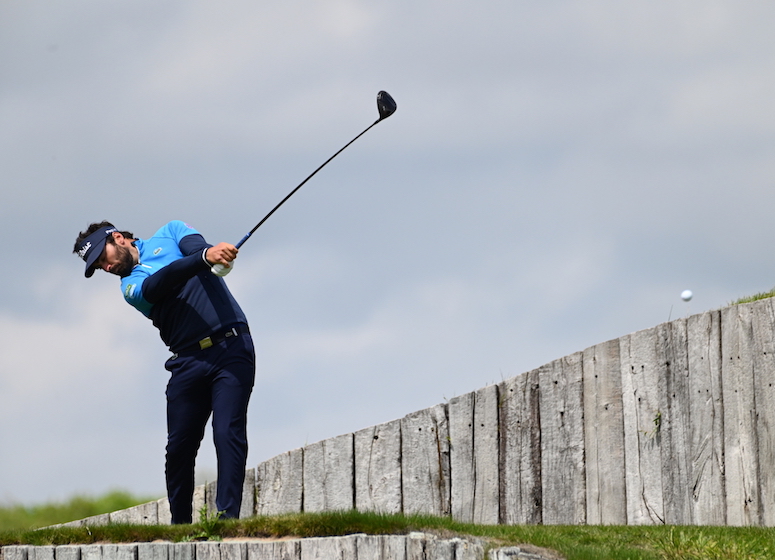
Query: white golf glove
220, 270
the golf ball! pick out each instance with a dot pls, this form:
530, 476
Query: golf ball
686, 295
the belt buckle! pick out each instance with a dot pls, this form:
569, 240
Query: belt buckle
205, 343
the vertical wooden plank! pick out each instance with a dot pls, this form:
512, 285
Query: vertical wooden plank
183, 551
461, 457
473, 434
119, 551
425, 480
706, 445
274, 550
675, 426
562, 441
151, 551
486, 456
380, 547
73, 552
468, 549
520, 450
279, 484
604, 435
424, 546
328, 548
368, 546
44, 552
328, 475
740, 444
91, 552
206, 550
199, 502
163, 511
248, 504
233, 551
642, 427
313, 497
211, 493
378, 468
15, 552
763, 329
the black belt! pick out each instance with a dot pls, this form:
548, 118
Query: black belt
213, 339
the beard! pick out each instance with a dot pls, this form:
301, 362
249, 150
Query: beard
125, 262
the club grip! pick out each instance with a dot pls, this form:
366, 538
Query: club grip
241, 241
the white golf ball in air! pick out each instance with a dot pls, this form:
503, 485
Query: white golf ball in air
686, 295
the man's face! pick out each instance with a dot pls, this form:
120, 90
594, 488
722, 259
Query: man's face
117, 257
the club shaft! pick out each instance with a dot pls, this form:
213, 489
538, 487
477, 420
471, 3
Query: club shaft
265, 218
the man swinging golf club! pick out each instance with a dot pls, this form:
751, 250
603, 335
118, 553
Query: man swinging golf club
175, 278
167, 278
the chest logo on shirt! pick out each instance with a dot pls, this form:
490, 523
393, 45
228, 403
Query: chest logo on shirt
157, 251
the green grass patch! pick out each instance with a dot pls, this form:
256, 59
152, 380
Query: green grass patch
754, 297
572, 542
18, 517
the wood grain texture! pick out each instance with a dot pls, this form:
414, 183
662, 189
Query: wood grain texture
378, 468
604, 435
562, 441
740, 441
425, 466
520, 450
642, 427
279, 484
706, 443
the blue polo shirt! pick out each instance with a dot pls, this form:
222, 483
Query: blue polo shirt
172, 285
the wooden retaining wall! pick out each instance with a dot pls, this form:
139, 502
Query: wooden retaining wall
673, 424
415, 546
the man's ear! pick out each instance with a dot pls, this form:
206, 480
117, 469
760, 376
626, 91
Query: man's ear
118, 238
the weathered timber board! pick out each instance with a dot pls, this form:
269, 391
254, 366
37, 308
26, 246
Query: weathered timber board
706, 444
328, 475
520, 450
378, 468
279, 484
562, 441
675, 429
425, 470
642, 427
741, 465
604, 435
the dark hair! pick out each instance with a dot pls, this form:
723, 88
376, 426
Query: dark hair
94, 227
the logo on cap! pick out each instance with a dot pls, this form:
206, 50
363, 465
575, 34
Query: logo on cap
84, 249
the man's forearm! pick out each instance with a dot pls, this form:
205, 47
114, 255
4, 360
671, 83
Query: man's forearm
159, 284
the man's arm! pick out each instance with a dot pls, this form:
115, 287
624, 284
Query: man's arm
200, 256
223, 253
159, 284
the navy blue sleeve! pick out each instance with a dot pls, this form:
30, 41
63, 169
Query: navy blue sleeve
158, 285
193, 243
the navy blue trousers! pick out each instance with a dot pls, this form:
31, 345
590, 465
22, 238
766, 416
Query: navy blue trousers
217, 381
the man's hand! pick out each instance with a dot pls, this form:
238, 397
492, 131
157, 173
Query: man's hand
223, 253
220, 257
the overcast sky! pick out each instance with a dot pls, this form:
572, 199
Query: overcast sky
556, 174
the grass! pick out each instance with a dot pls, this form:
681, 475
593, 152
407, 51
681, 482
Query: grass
17, 517
755, 297
573, 542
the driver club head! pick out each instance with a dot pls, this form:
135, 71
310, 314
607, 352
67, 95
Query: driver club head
385, 104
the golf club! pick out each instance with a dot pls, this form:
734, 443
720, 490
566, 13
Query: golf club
386, 106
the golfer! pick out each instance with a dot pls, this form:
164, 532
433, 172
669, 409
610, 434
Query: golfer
167, 278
